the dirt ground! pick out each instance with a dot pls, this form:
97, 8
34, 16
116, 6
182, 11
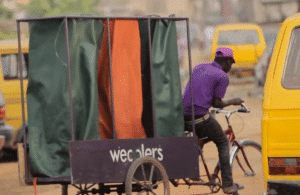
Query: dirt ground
245, 126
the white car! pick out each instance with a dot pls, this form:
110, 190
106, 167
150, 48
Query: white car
8, 137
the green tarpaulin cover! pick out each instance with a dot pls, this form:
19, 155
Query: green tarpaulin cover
167, 87
48, 92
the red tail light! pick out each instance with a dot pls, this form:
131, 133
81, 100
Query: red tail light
284, 166
2, 113
2, 142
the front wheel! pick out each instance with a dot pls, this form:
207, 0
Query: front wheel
246, 164
147, 176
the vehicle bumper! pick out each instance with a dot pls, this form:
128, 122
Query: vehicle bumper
286, 187
243, 68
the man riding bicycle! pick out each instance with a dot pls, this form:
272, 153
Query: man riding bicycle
209, 82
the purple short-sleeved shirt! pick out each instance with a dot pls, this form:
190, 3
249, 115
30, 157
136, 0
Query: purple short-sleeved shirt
208, 81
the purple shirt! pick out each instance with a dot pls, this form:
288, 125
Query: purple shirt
208, 81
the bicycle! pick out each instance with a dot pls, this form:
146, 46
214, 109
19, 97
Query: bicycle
243, 168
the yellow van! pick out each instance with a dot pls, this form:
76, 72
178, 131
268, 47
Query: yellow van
281, 113
245, 39
10, 80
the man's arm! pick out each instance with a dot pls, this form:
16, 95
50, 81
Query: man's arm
219, 103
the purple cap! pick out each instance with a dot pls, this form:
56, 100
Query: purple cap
224, 52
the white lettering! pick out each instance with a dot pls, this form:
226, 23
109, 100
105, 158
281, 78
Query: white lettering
159, 151
143, 150
153, 152
114, 155
128, 155
123, 154
148, 152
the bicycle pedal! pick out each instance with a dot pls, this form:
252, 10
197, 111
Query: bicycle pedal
213, 183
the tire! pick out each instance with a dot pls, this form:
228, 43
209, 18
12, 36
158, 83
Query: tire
254, 157
144, 176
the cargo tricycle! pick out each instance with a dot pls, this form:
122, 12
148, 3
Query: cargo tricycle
104, 109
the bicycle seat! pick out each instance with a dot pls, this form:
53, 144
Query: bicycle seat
201, 141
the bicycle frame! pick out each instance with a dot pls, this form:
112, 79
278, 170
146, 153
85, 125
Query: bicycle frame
233, 142
213, 179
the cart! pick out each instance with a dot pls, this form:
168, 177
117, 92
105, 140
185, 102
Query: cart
101, 166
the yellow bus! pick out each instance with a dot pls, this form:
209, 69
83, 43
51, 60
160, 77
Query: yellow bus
245, 39
281, 113
10, 79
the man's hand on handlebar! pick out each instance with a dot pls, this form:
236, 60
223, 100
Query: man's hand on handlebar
219, 103
237, 101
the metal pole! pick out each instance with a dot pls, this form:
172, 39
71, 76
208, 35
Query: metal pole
151, 77
25, 141
190, 73
21, 77
111, 79
69, 78
64, 189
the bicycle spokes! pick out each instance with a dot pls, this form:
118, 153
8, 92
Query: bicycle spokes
247, 164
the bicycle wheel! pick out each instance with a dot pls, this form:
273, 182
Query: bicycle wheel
147, 176
251, 172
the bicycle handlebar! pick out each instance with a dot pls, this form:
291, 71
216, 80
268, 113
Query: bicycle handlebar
243, 109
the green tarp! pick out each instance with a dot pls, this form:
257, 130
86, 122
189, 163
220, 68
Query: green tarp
167, 87
48, 92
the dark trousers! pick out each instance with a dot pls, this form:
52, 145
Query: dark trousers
213, 130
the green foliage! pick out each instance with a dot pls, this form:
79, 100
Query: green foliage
46, 8
5, 34
5, 13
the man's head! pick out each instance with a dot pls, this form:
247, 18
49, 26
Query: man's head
224, 56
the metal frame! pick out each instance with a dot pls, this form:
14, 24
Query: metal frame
66, 180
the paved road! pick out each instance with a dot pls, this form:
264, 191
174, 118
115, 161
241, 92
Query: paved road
246, 126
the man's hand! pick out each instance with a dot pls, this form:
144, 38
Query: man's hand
236, 101
219, 103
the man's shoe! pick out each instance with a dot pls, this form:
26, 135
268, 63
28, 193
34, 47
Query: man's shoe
233, 188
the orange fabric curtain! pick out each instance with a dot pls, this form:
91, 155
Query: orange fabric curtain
104, 90
127, 82
127, 79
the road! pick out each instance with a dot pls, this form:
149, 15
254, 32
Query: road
245, 126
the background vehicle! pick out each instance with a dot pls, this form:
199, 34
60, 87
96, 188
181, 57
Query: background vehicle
8, 137
10, 81
246, 40
281, 108
261, 68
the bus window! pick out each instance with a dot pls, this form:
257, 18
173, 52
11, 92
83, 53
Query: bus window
291, 75
10, 68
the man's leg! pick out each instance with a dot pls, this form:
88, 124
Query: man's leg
212, 129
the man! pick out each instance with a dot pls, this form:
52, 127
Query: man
209, 83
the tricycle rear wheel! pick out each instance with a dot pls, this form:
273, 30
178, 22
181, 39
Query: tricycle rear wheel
144, 177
